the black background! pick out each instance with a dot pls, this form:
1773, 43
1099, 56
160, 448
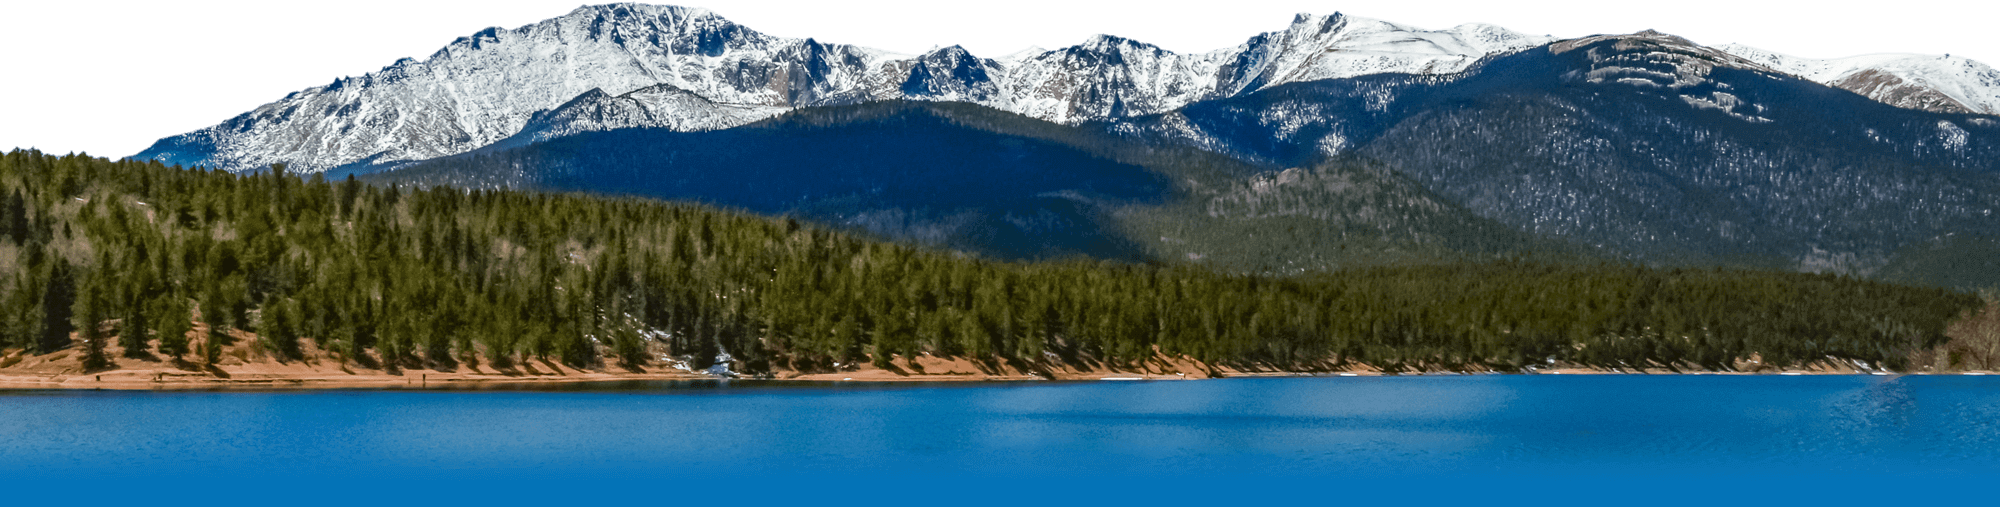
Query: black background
111, 80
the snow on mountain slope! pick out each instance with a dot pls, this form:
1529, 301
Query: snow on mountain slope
658, 106
1655, 61
489, 86
1111, 77
1944, 84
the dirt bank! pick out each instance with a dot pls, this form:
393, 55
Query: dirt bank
244, 365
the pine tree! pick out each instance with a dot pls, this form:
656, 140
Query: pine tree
628, 345
278, 327
175, 324
89, 316
132, 331
58, 299
135, 323
14, 218
211, 347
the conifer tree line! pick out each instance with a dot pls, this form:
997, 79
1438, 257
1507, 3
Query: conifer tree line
94, 252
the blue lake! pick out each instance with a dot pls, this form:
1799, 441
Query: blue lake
1509, 438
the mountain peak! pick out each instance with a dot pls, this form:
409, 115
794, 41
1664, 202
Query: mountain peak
953, 49
1937, 83
630, 9
1307, 18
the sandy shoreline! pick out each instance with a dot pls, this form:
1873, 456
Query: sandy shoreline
15, 382
184, 380
243, 366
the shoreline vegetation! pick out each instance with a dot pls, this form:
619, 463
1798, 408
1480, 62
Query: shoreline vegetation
133, 274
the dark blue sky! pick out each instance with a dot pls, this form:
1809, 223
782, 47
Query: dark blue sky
109, 80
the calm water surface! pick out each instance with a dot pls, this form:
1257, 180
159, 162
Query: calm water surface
1502, 438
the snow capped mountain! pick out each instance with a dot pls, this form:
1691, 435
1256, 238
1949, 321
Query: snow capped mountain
485, 87
631, 65
1111, 77
1944, 84
1645, 144
489, 86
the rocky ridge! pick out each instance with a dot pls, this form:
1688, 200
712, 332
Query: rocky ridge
491, 85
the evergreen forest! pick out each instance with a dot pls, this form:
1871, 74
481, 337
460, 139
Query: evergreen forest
94, 252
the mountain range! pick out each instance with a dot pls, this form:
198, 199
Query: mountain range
1334, 142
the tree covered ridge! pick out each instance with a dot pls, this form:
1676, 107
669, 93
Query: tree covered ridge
439, 276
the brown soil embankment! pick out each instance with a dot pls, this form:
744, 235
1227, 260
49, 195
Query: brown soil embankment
246, 368
244, 364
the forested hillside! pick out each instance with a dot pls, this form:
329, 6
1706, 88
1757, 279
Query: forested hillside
1007, 186
96, 251
1655, 150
